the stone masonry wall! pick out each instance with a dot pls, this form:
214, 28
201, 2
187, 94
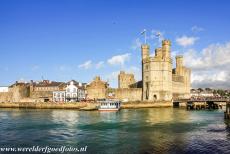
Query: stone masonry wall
130, 94
6, 96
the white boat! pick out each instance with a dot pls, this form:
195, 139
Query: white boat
109, 105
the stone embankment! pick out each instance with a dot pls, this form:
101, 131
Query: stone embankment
85, 106
43, 105
141, 104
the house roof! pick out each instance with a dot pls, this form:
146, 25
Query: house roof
49, 84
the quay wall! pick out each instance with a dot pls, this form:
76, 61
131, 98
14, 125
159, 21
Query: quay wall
82, 105
43, 105
146, 104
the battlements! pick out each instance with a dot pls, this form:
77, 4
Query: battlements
125, 80
97, 78
179, 61
166, 42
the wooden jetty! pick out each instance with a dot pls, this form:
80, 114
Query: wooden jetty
202, 104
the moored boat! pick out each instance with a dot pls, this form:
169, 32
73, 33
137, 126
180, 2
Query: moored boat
109, 105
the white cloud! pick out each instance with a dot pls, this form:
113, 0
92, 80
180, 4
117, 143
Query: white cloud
136, 44
112, 78
211, 79
100, 64
197, 29
186, 41
210, 67
215, 56
86, 65
136, 71
119, 59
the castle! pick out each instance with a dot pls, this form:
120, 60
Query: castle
160, 81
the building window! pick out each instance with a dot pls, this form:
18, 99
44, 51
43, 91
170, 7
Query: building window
68, 90
74, 90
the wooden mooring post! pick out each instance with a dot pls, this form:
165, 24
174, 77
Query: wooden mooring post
227, 112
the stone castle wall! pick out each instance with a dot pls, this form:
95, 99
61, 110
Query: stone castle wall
6, 96
15, 94
41, 94
97, 89
129, 94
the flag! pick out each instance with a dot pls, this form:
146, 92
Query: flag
143, 32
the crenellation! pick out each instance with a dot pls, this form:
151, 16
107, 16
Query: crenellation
125, 80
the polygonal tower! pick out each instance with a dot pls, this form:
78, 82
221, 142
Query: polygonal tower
145, 71
157, 73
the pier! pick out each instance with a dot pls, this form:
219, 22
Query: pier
202, 103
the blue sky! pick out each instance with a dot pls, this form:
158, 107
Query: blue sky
78, 39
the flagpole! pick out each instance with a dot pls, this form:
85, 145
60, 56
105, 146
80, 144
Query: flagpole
144, 32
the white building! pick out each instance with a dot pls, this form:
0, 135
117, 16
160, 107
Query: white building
3, 89
74, 92
197, 93
71, 91
59, 96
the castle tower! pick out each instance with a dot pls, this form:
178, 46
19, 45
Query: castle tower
179, 65
157, 74
166, 45
125, 80
145, 51
145, 71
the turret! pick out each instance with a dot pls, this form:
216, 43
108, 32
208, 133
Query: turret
166, 45
145, 51
97, 78
179, 65
158, 52
179, 61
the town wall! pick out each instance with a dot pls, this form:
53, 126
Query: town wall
6, 96
129, 94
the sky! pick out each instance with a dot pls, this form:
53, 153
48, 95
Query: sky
62, 40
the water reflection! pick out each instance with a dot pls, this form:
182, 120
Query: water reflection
157, 130
68, 118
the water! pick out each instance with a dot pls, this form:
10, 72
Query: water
156, 130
